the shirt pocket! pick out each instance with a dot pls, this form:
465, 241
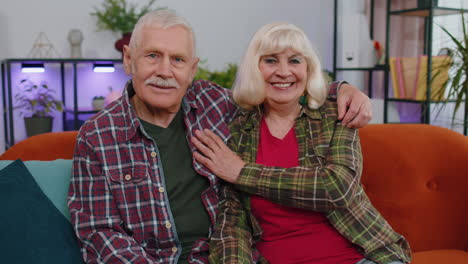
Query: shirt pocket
128, 175
131, 190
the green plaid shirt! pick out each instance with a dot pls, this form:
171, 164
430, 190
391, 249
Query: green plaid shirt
328, 180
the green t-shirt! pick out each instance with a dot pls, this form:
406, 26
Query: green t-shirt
183, 184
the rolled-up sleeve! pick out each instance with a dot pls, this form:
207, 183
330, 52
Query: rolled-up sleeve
332, 184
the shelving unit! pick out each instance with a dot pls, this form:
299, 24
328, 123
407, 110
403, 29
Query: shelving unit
71, 109
370, 71
428, 15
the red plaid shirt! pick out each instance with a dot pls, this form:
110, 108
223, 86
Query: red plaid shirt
118, 203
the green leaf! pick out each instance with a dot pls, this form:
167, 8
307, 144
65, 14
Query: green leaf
119, 16
458, 88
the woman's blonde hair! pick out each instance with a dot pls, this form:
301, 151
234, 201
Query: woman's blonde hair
249, 87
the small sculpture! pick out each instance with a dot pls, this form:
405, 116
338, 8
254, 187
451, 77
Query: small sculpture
75, 37
42, 48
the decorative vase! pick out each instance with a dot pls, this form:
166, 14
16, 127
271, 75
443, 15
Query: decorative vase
119, 44
75, 37
38, 125
98, 104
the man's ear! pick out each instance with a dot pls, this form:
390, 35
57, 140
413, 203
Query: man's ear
127, 60
195, 66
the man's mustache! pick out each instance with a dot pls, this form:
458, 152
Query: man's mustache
158, 81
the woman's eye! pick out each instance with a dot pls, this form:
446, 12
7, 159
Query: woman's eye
295, 61
269, 60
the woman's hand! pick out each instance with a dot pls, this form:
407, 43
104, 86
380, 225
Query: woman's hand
216, 156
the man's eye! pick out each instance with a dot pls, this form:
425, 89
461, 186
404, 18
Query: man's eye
178, 59
152, 55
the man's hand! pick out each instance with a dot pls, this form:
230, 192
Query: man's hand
216, 156
354, 107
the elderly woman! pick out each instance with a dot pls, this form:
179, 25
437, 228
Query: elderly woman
294, 194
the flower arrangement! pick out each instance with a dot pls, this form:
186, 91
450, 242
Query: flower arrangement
379, 52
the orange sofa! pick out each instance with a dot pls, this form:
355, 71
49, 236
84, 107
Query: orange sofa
416, 175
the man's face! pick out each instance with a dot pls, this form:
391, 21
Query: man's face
162, 67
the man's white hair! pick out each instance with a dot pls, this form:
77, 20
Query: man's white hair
164, 18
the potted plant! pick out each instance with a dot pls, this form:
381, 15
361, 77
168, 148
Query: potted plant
37, 103
98, 102
225, 77
458, 80
120, 16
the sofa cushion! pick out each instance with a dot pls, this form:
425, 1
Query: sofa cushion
53, 178
416, 176
32, 229
440, 256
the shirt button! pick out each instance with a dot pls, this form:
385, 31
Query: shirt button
161, 189
174, 249
128, 177
168, 225
153, 154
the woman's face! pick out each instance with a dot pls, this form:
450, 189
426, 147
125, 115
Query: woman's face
285, 76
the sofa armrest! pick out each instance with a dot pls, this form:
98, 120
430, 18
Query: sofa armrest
47, 146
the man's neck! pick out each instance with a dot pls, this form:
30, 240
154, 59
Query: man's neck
158, 117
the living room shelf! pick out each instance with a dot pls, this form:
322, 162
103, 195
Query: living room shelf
427, 14
419, 101
81, 111
69, 75
376, 68
370, 70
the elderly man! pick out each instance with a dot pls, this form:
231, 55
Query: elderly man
137, 195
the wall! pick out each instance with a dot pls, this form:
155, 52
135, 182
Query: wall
222, 28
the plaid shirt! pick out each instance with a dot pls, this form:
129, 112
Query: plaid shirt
327, 180
117, 199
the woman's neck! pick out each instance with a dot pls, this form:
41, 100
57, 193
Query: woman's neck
280, 119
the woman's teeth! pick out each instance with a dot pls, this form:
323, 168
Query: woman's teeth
282, 85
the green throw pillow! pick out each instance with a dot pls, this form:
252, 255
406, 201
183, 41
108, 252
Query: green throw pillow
32, 230
53, 177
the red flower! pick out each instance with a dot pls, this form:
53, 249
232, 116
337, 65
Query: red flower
377, 45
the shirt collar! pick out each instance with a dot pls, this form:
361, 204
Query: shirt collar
190, 99
132, 121
311, 113
131, 118
253, 117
